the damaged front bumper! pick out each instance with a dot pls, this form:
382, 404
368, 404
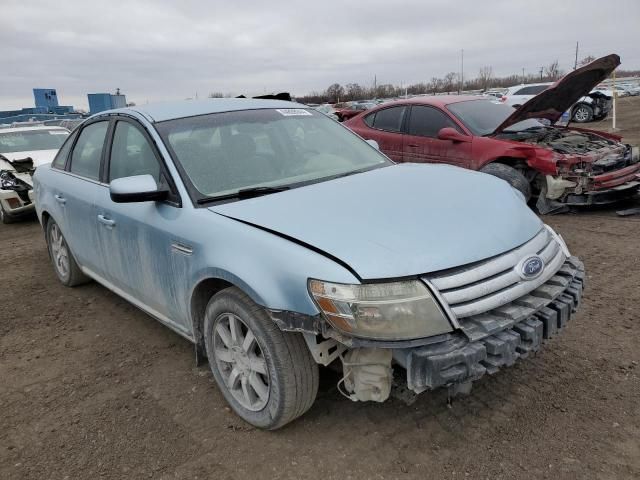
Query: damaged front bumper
16, 195
497, 338
614, 182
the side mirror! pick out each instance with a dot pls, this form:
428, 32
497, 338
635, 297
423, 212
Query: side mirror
448, 133
139, 188
374, 144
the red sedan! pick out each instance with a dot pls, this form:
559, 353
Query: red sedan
562, 166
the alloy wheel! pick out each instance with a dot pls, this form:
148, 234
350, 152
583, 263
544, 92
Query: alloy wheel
241, 362
59, 252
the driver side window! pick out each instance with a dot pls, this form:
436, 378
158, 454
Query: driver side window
131, 154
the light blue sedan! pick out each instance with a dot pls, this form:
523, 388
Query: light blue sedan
276, 240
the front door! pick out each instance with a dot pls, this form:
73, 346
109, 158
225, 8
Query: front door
421, 142
146, 258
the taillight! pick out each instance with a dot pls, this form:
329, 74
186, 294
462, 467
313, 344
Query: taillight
503, 99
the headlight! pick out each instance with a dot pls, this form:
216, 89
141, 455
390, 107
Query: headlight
380, 311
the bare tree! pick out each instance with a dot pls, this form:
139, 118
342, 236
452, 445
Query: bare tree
484, 76
354, 91
586, 60
216, 95
335, 92
553, 71
449, 81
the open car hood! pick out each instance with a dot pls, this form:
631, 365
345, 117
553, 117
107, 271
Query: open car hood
397, 221
560, 96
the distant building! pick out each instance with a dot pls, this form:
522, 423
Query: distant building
45, 98
99, 102
47, 108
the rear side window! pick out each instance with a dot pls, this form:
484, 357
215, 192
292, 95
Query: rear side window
61, 158
369, 119
389, 119
428, 121
131, 154
85, 159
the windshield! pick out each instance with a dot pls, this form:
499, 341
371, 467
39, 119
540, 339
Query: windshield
224, 153
31, 140
482, 117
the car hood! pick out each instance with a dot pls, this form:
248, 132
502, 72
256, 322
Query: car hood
397, 221
39, 157
560, 96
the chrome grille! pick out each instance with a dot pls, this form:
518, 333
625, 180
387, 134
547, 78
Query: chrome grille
487, 285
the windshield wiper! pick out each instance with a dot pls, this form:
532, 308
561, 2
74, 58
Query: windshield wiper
243, 193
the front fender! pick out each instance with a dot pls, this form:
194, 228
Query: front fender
272, 270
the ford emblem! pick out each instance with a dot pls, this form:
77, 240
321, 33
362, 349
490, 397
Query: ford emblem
530, 267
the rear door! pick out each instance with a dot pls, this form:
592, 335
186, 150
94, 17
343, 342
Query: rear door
421, 143
385, 127
75, 192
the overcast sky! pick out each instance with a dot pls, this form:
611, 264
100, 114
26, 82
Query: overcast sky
161, 49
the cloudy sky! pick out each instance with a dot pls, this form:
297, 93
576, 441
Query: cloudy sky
162, 49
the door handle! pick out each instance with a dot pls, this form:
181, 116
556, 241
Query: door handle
106, 221
60, 199
413, 145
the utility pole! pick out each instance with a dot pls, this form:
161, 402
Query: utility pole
541, 70
523, 75
575, 65
461, 70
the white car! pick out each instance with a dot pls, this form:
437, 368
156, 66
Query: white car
594, 106
520, 94
22, 150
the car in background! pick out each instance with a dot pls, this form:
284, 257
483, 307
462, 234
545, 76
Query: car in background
562, 166
22, 149
632, 88
328, 110
353, 109
275, 240
517, 95
594, 105
495, 94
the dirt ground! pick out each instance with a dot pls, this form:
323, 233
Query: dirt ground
90, 387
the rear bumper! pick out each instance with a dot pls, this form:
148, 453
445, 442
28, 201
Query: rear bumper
498, 338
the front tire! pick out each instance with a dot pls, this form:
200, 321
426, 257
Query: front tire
583, 113
512, 176
266, 375
64, 264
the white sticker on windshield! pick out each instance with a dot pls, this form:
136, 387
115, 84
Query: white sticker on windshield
293, 112
58, 132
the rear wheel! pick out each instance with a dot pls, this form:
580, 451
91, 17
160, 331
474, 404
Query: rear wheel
512, 176
64, 264
582, 113
266, 375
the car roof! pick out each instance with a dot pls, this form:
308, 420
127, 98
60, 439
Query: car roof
435, 100
162, 111
27, 129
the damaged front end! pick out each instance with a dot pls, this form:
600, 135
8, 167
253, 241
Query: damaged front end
16, 192
590, 169
499, 315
